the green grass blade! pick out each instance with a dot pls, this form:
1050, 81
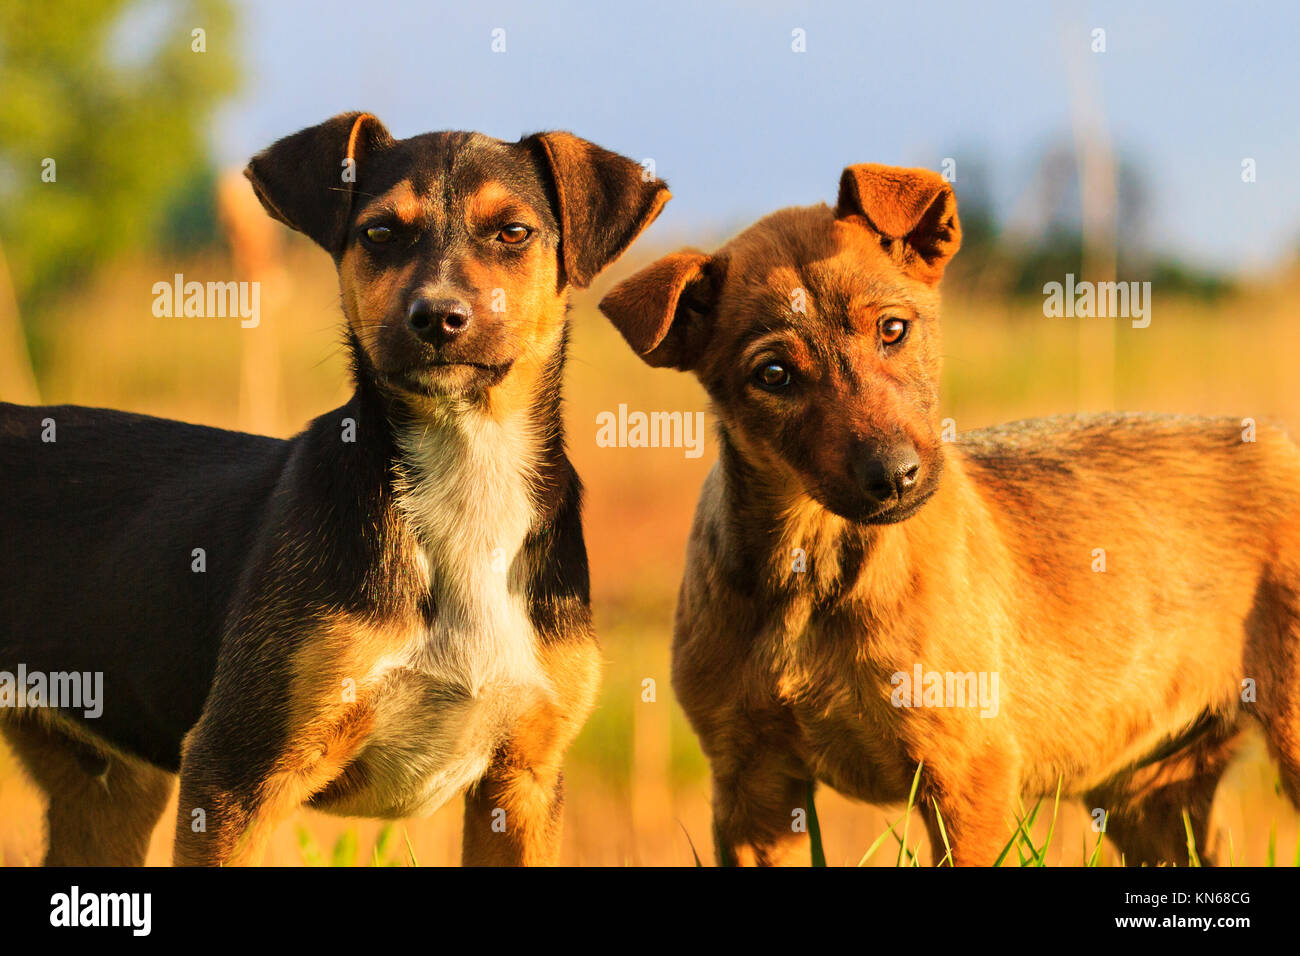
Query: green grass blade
1192, 858
943, 834
346, 849
690, 843
907, 816
307, 847
1051, 830
1026, 838
382, 844
903, 848
815, 829
1020, 835
879, 840
1095, 858
1015, 837
410, 850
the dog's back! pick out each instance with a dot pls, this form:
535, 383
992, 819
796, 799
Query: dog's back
1107, 477
1143, 551
80, 488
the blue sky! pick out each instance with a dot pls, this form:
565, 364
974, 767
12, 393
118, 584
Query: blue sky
740, 125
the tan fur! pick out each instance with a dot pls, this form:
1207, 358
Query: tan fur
1123, 685
524, 780
1088, 686
102, 805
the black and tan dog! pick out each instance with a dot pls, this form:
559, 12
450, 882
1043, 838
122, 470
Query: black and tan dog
392, 606
1127, 587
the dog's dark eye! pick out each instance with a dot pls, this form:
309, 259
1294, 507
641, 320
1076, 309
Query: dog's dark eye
772, 376
893, 331
379, 234
514, 234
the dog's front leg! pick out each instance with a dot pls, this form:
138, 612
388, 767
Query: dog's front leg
977, 808
218, 821
222, 814
513, 813
238, 779
760, 814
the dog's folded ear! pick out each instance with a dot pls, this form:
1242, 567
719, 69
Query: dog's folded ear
914, 209
605, 200
663, 310
306, 180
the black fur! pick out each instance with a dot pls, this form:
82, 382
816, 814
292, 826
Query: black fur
99, 528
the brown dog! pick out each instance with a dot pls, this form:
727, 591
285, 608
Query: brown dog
1119, 592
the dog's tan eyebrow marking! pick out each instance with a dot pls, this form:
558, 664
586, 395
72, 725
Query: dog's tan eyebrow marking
401, 203
494, 199
380, 211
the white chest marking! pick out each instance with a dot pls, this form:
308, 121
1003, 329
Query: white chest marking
466, 495
464, 491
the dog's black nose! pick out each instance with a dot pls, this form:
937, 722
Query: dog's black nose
889, 472
438, 321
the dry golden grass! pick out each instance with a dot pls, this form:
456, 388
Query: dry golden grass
637, 782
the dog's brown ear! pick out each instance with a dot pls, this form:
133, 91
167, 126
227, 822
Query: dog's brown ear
307, 180
605, 201
663, 310
914, 209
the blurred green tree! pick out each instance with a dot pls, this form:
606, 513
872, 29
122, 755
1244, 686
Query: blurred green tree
104, 117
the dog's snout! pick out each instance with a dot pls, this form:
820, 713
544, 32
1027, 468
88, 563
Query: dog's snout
888, 473
437, 321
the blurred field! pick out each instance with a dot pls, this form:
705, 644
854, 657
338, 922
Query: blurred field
637, 783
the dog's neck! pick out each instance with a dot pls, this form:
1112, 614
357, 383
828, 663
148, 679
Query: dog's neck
468, 466
782, 543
